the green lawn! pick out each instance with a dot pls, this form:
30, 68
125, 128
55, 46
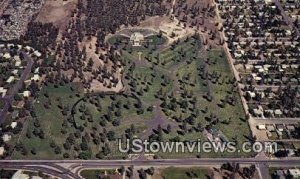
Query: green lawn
94, 174
50, 120
185, 173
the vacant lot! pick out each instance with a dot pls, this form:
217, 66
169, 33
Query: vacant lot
57, 12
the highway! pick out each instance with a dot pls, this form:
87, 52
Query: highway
70, 169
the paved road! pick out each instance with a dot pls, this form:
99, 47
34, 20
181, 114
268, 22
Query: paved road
12, 92
263, 170
277, 120
55, 167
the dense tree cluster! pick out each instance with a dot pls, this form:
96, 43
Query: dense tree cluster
40, 36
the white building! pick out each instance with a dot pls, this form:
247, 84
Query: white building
7, 56
6, 138
37, 53
35, 77
295, 172
261, 127
13, 125
137, 38
20, 175
2, 150
26, 94
18, 63
3, 91
10, 79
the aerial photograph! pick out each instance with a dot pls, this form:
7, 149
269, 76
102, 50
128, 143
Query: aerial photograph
149, 89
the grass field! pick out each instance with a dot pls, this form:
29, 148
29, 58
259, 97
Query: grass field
50, 121
183, 173
94, 174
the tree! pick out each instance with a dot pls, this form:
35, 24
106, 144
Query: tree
66, 155
84, 146
33, 151
57, 150
169, 129
111, 136
150, 171
106, 149
67, 145
116, 122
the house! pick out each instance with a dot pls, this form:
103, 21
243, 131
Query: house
6, 138
290, 127
270, 128
17, 58
18, 104
278, 112
269, 112
28, 48
3, 91
18, 63
280, 127
13, 125
15, 72
7, 56
251, 94
37, 70
279, 134
261, 127
258, 112
2, 150
35, 78
37, 53
269, 134
294, 172
15, 114
26, 94
10, 79
20, 175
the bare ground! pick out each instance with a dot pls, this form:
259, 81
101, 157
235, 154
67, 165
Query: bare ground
57, 12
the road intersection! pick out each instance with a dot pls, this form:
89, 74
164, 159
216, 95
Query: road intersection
70, 169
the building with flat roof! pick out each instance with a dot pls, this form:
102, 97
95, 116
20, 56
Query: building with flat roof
10, 79
6, 137
20, 175
35, 77
295, 172
26, 94
137, 38
2, 91
2, 150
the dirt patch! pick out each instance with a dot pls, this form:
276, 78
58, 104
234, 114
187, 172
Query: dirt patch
57, 12
96, 85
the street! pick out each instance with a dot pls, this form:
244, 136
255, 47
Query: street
70, 169
10, 98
